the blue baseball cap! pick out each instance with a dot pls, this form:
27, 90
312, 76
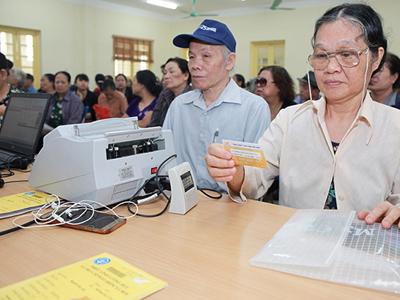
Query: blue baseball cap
210, 32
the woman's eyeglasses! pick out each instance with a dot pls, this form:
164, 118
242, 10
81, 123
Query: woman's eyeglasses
346, 58
262, 82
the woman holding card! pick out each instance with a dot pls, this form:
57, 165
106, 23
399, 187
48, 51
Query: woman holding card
339, 152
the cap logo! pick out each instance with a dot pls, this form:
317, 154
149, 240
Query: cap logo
206, 28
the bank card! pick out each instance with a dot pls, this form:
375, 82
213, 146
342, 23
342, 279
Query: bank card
247, 154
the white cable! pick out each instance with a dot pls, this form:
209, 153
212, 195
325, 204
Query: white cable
364, 91
309, 85
43, 218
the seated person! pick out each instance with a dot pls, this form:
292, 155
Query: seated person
121, 83
99, 79
240, 81
217, 108
147, 89
111, 103
28, 84
384, 84
65, 106
176, 80
87, 97
339, 152
47, 84
275, 85
304, 91
17, 80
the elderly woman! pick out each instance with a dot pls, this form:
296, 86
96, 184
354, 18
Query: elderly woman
339, 152
176, 82
275, 85
17, 79
65, 106
47, 84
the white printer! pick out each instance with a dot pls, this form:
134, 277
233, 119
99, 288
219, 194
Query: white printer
106, 161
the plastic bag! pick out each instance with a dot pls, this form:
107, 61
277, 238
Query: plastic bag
335, 246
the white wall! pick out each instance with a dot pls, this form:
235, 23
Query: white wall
78, 37
296, 28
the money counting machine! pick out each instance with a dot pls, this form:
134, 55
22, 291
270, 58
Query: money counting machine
106, 161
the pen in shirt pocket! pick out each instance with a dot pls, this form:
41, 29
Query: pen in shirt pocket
216, 134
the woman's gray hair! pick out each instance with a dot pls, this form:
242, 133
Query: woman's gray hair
20, 77
363, 16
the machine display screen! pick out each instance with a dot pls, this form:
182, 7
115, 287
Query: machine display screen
187, 181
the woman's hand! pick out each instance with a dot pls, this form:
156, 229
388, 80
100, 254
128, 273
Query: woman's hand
221, 167
385, 213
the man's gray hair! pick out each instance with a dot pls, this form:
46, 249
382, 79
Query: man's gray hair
226, 52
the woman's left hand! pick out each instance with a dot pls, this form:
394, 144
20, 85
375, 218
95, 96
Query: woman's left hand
385, 213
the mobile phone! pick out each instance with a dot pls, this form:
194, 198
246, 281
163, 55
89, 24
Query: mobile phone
100, 222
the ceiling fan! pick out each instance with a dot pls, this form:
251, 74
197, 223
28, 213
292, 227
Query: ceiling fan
194, 13
276, 6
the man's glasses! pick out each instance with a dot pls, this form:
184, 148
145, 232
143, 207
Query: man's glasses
346, 58
262, 82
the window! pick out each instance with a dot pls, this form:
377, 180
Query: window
267, 53
22, 47
132, 55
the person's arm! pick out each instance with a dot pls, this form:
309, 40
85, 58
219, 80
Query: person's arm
167, 124
387, 212
156, 116
76, 111
124, 106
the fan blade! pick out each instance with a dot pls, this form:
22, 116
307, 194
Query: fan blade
193, 8
194, 13
275, 4
207, 15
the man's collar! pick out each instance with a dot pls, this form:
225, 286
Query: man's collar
230, 94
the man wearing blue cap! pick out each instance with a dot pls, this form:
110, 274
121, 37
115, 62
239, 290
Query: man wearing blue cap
217, 109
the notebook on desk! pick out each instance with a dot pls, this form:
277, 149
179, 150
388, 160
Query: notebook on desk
21, 128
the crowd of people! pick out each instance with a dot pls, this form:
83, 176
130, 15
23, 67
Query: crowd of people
337, 151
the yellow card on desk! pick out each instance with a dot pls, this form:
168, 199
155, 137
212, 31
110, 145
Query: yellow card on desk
248, 154
23, 202
100, 277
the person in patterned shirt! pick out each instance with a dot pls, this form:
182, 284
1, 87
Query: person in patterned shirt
65, 106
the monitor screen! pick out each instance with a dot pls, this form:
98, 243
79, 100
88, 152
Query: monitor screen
23, 122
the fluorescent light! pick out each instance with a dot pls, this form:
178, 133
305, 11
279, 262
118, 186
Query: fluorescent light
162, 3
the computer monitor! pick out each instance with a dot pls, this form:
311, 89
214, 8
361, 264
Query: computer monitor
23, 122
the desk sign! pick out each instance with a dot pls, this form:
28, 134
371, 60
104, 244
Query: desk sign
100, 277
